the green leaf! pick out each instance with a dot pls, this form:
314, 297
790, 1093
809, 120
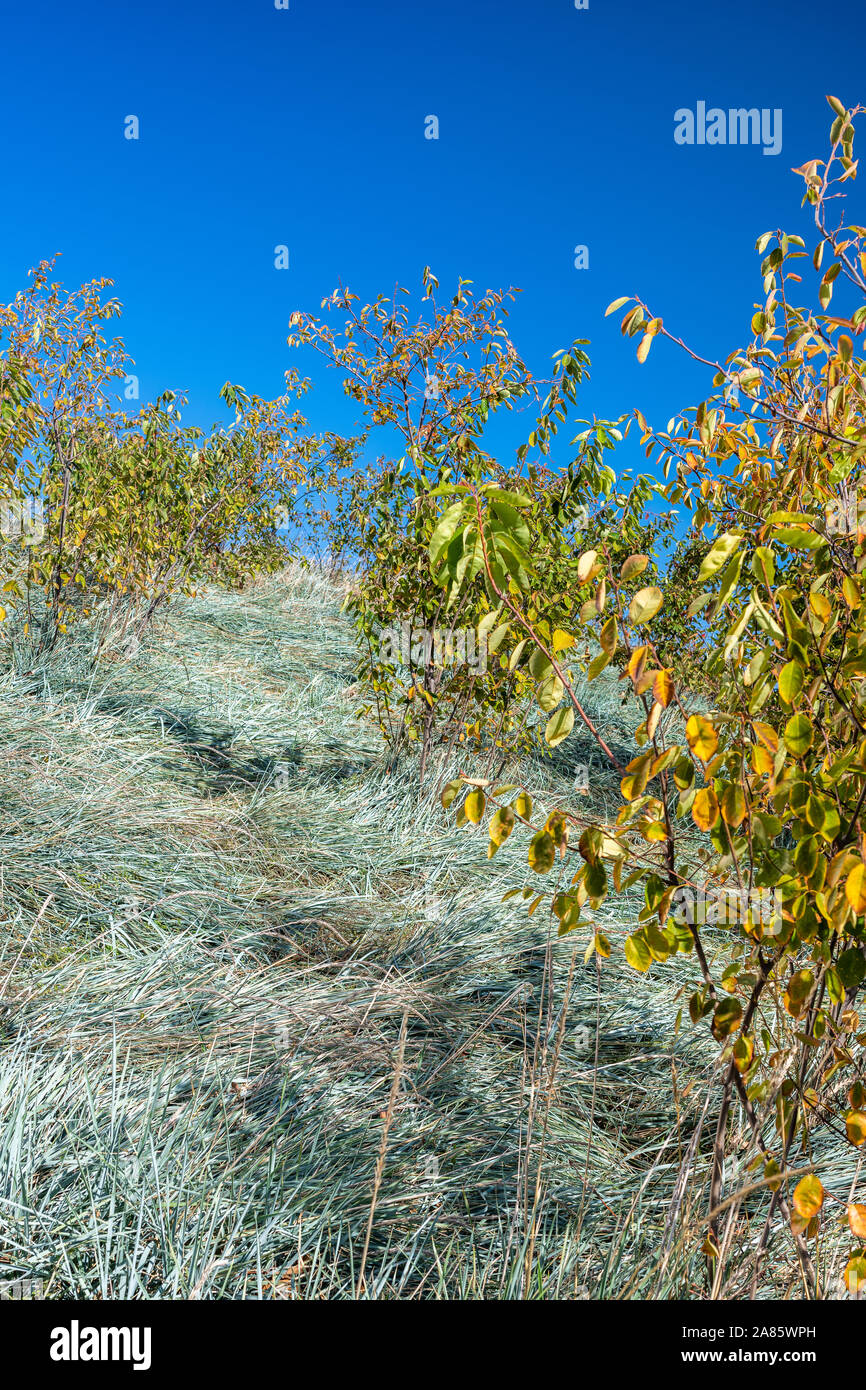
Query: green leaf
726, 1018
607, 637
851, 966
542, 852
798, 734
637, 952
763, 566
539, 665
444, 531
517, 528
721, 552
450, 792
514, 659
550, 692
502, 825
791, 678
597, 665
559, 726
595, 878
513, 499
496, 637
729, 580
798, 539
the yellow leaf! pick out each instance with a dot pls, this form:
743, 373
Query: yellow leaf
808, 1197
705, 809
450, 792
653, 718
635, 564
653, 831
630, 788
734, 805
855, 1124
702, 737
855, 889
645, 604
475, 803
585, 564
637, 776
744, 1051
607, 637
820, 606
616, 304
762, 760
559, 726
766, 735
850, 592
855, 1274
637, 662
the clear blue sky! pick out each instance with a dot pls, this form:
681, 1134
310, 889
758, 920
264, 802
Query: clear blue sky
305, 127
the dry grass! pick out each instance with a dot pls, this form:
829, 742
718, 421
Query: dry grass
218, 911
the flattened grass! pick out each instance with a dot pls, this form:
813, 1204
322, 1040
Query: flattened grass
218, 910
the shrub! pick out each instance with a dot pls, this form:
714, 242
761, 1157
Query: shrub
756, 796
129, 508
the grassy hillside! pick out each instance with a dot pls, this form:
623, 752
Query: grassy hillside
251, 982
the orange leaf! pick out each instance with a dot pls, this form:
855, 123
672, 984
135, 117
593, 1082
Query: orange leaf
663, 688
808, 1197
857, 1220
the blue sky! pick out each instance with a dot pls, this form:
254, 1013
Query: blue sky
305, 127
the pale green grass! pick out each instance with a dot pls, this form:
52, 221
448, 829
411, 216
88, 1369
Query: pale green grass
217, 910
